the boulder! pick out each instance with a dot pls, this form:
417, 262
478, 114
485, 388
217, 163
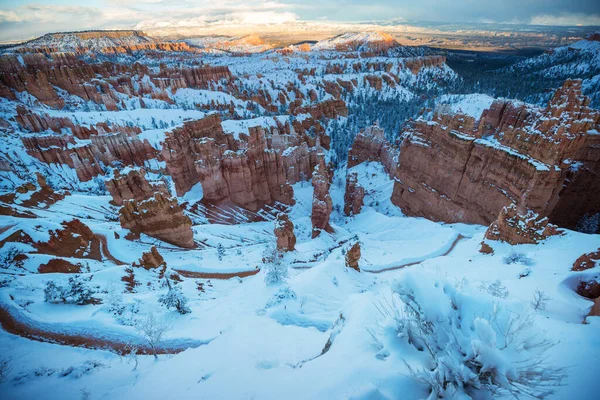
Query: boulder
160, 217
353, 256
587, 261
150, 260
515, 227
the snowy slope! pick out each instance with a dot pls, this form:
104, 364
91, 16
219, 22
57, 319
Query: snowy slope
92, 40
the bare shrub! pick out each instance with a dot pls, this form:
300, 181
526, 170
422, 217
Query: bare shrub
492, 352
539, 301
517, 258
5, 368
495, 288
152, 331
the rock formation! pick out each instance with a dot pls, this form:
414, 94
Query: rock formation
150, 260
284, 232
132, 186
454, 170
75, 239
256, 170
354, 195
587, 261
40, 73
415, 64
159, 217
371, 145
58, 265
38, 195
595, 310
322, 204
119, 144
353, 256
516, 227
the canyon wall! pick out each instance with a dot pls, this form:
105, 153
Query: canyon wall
454, 169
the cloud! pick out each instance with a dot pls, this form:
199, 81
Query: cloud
566, 20
21, 20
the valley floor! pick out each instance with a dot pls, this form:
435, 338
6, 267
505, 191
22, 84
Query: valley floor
314, 336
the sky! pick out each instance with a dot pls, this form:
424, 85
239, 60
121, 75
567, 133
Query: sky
24, 19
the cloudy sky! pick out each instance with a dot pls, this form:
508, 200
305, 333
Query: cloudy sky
20, 19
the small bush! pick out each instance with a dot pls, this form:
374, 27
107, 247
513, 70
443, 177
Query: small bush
517, 258
175, 299
77, 292
589, 224
495, 288
539, 301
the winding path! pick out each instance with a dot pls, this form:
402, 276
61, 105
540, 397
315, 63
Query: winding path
216, 275
458, 239
18, 324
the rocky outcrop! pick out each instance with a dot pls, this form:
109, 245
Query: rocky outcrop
590, 288
132, 186
370, 144
75, 239
150, 260
284, 232
520, 227
354, 195
160, 217
326, 109
454, 169
58, 265
353, 256
29, 195
587, 261
595, 310
322, 204
415, 64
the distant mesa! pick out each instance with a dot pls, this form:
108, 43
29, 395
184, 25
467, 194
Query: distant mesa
359, 41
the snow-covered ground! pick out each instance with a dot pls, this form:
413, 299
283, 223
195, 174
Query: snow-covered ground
320, 334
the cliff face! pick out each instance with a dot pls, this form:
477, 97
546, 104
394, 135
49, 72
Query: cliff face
119, 144
371, 145
102, 83
455, 170
160, 217
417, 63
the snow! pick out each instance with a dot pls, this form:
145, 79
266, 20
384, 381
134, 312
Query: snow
319, 333
270, 340
469, 104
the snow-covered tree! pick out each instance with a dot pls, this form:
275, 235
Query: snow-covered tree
276, 268
220, 251
175, 298
77, 291
589, 224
